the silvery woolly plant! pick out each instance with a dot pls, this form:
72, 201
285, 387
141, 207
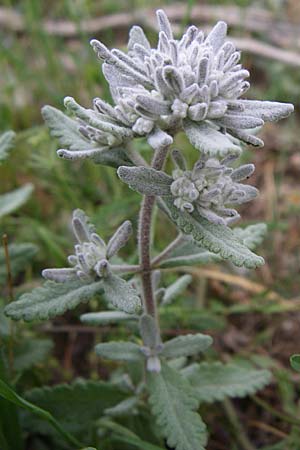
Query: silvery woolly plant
193, 84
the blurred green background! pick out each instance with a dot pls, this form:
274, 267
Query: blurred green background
45, 55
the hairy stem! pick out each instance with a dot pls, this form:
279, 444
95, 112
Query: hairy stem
144, 234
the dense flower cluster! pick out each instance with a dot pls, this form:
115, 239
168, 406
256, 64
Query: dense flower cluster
90, 260
210, 186
195, 79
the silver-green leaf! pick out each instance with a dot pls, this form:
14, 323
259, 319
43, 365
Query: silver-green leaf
216, 381
52, 299
175, 289
121, 294
119, 351
190, 344
145, 180
105, 317
174, 405
209, 140
216, 238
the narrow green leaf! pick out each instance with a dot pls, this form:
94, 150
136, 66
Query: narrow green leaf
9, 417
218, 239
15, 199
10, 395
216, 381
209, 140
121, 294
119, 351
52, 299
190, 344
174, 404
6, 143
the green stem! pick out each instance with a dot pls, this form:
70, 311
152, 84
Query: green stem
237, 427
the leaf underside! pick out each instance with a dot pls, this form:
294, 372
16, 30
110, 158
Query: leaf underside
218, 239
216, 381
52, 299
174, 404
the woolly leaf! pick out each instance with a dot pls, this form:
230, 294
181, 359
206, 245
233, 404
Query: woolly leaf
218, 239
75, 145
251, 236
149, 331
30, 352
176, 289
105, 317
174, 404
216, 381
65, 129
190, 344
52, 299
268, 111
20, 255
146, 181
77, 405
193, 259
121, 294
209, 140
6, 143
119, 351
15, 199
119, 239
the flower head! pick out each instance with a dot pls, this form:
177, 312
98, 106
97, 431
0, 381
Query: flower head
194, 78
91, 257
210, 187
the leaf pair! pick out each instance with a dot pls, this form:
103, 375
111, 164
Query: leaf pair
54, 299
186, 345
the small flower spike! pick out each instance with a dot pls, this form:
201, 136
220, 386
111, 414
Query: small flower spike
210, 187
91, 257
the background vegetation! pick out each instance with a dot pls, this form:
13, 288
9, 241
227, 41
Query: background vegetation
251, 315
